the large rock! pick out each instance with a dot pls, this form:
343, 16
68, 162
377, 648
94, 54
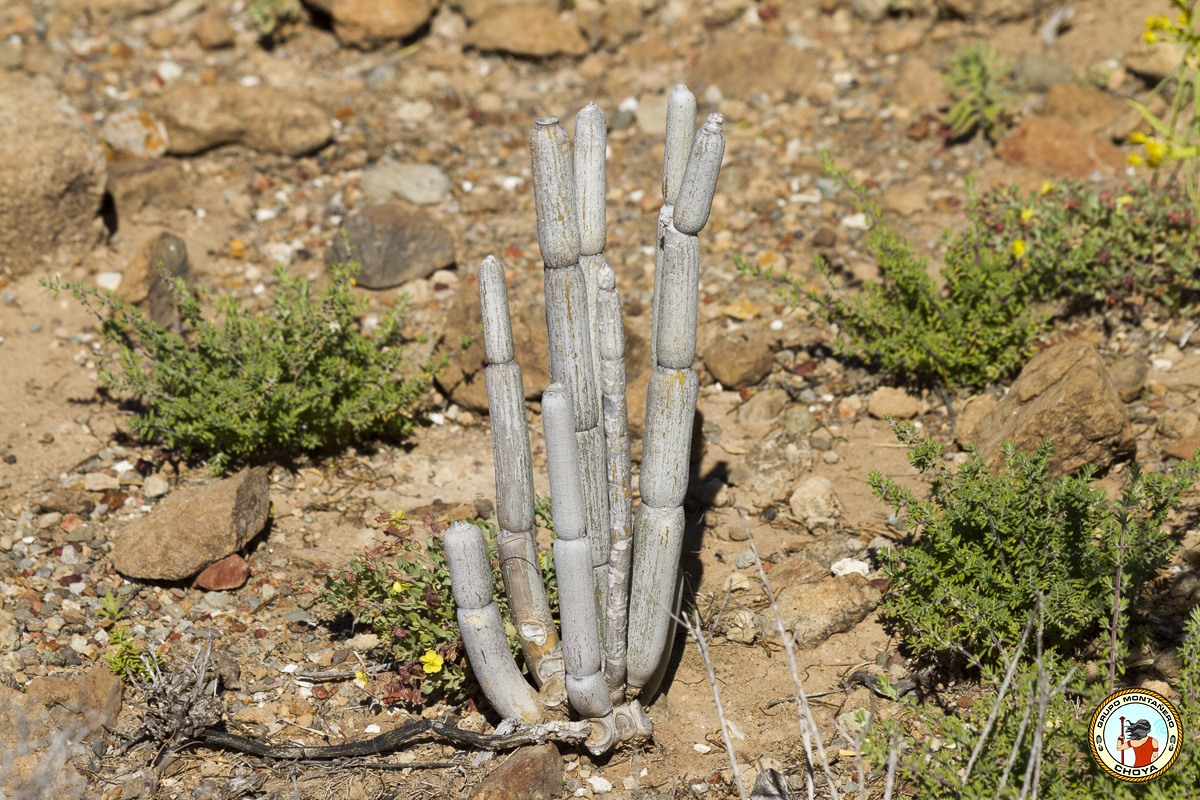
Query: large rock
109, 9
142, 282
991, 10
526, 29
739, 358
199, 118
1061, 147
815, 503
531, 773
1063, 394
392, 246
193, 529
142, 188
53, 175
462, 379
816, 611
774, 464
743, 64
1094, 110
37, 729
422, 184
369, 23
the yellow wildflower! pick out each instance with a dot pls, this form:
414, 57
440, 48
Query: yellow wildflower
1137, 137
1149, 38
1123, 200
432, 661
1135, 160
398, 587
1027, 214
360, 677
1047, 187
1018, 247
1155, 151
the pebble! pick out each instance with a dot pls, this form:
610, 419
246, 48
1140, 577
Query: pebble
846, 566
422, 184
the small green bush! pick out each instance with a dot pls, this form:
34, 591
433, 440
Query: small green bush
1096, 248
990, 544
271, 16
125, 659
975, 79
1030, 738
978, 330
296, 378
402, 592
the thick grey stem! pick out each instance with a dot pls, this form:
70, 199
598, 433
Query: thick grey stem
482, 627
514, 481
572, 560
620, 499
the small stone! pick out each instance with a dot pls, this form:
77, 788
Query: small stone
1039, 72
216, 599
230, 572
421, 184
600, 785
846, 566
825, 237
143, 283
739, 359
816, 504
800, 421
143, 188
1184, 448
534, 772
155, 486
744, 559
392, 246
742, 310
213, 30
370, 23
100, 482
135, 132
1178, 424
47, 521
893, 402
765, 406
526, 29
1060, 147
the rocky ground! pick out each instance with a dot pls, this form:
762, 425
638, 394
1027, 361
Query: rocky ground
134, 131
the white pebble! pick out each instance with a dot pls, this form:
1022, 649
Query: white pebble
266, 214
1161, 364
628, 104
856, 221
201, 213
701, 748
849, 565
372, 729
437, 418
599, 785
776, 325
169, 71
108, 280
250, 80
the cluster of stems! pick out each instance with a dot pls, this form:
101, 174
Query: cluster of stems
617, 566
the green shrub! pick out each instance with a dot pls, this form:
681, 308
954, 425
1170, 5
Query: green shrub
271, 16
990, 544
1098, 247
980, 329
296, 378
125, 659
401, 591
975, 80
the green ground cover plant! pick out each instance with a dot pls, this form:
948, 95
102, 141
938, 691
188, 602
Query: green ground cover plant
298, 377
992, 545
1025, 579
126, 658
975, 78
401, 591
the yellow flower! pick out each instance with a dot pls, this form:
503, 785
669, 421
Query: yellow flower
398, 587
1149, 38
361, 677
1134, 159
1018, 247
1027, 214
1155, 151
1047, 187
1137, 137
432, 661
1123, 200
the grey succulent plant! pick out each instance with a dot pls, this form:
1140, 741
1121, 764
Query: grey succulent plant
617, 566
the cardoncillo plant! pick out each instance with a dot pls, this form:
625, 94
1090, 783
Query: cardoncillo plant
611, 563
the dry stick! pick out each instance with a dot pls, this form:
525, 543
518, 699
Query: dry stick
513, 461
893, 758
808, 725
567, 320
611, 340
697, 633
856, 742
1008, 676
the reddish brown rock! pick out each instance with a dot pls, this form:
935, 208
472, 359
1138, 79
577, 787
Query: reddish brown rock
228, 573
749, 63
1064, 394
1061, 147
194, 528
369, 23
816, 611
531, 773
143, 283
1184, 448
739, 359
526, 29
